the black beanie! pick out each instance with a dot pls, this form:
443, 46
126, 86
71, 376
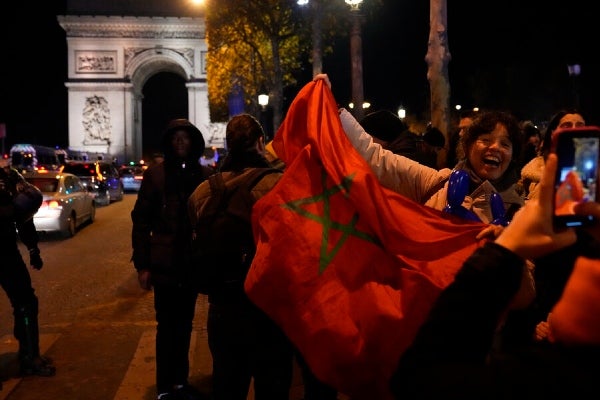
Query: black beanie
383, 125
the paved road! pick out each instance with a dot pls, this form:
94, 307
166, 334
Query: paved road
95, 322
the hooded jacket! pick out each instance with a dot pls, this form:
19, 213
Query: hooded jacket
161, 230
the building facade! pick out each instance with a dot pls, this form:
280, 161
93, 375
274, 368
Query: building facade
110, 58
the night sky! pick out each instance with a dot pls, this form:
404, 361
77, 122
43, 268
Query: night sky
511, 55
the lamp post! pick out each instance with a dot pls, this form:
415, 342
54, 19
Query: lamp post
356, 58
263, 101
401, 112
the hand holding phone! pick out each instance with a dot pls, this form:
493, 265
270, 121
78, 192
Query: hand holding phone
578, 152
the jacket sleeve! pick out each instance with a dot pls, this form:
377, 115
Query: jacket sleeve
396, 172
459, 331
142, 219
28, 234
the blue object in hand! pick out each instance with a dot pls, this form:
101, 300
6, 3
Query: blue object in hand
458, 188
498, 210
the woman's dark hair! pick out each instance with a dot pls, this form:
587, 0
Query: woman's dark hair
242, 133
530, 150
485, 122
529, 130
552, 126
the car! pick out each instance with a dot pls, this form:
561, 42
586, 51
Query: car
131, 177
213, 157
100, 177
66, 205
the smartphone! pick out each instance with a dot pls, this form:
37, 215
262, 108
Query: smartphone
578, 152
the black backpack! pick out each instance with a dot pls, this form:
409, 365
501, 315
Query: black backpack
222, 242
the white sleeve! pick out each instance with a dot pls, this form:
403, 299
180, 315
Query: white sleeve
396, 172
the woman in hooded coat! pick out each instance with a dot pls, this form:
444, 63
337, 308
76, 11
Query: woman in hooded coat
160, 240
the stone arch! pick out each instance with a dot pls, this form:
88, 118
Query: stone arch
110, 60
149, 63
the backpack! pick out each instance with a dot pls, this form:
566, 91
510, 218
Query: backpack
223, 245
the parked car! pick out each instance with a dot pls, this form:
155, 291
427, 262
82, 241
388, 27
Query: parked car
213, 157
131, 177
100, 177
67, 204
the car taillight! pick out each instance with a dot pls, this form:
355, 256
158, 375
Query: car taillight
52, 204
139, 178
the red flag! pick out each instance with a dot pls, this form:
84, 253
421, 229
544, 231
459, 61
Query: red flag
347, 268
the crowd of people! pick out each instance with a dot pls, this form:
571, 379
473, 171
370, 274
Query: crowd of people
521, 317
505, 302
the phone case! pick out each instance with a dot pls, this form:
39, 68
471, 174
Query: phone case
578, 152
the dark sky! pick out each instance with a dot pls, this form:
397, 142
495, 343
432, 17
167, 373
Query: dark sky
509, 54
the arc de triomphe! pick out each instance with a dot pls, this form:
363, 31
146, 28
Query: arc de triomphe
110, 58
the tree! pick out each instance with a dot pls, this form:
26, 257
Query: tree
261, 44
252, 44
437, 58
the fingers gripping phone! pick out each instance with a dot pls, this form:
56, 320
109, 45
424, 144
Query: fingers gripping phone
578, 153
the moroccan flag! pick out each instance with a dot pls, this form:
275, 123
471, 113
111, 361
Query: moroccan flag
347, 268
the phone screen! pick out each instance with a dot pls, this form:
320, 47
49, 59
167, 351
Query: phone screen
578, 152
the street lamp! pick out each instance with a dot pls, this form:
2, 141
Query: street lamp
356, 57
366, 105
265, 120
401, 112
354, 4
263, 100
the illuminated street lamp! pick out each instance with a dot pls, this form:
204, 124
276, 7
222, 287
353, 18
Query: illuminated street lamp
356, 58
265, 119
401, 112
263, 100
354, 4
366, 105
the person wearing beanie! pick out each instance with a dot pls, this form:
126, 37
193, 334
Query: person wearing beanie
450, 355
160, 242
390, 132
428, 146
383, 125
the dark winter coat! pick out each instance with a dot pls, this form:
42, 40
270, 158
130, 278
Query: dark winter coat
449, 358
161, 229
8, 225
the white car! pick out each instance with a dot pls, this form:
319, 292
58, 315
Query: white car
67, 204
131, 177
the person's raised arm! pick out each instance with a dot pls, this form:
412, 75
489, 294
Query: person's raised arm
323, 77
531, 233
